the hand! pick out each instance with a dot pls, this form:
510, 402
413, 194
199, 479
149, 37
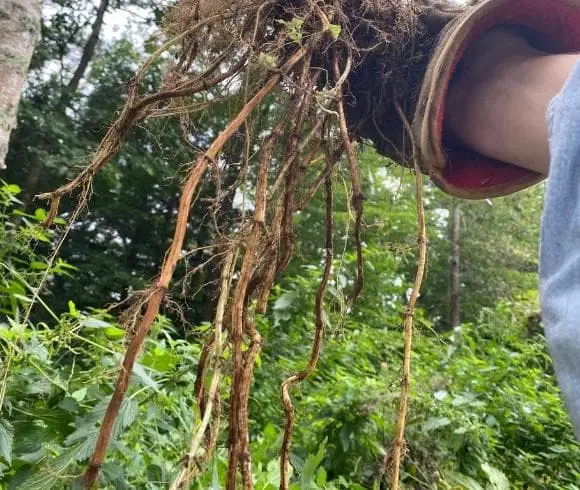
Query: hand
498, 99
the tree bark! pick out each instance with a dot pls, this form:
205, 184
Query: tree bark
19, 32
88, 53
454, 273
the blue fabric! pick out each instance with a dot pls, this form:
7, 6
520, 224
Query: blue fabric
560, 244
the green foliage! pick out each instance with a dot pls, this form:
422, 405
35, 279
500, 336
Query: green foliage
485, 406
498, 249
485, 409
20, 266
494, 404
58, 389
294, 27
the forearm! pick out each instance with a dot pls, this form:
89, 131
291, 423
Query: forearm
498, 101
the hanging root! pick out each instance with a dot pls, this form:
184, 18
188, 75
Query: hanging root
134, 111
357, 199
152, 309
206, 403
316, 343
315, 77
168, 268
393, 459
243, 362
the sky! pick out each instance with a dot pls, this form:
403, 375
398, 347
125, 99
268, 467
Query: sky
131, 21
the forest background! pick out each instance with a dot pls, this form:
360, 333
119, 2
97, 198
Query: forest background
485, 410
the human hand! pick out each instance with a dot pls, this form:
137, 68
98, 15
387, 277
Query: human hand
499, 96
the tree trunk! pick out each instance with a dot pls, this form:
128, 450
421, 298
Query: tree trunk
454, 274
19, 31
88, 53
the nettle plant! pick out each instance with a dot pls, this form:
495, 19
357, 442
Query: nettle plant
302, 81
299, 82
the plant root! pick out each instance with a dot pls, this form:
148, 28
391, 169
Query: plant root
315, 77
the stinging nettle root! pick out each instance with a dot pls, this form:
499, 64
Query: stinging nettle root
307, 80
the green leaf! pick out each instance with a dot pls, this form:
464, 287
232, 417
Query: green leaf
79, 395
270, 432
40, 214
464, 399
53, 416
35, 348
464, 481
128, 413
335, 30
114, 333
284, 301
28, 439
6, 440
154, 473
94, 323
215, 478
295, 29
161, 360
46, 478
139, 372
112, 472
36, 265
85, 430
321, 477
345, 438
72, 309
435, 423
310, 466
85, 437
497, 478
11, 189
68, 404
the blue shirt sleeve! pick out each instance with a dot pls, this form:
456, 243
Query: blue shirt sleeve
560, 244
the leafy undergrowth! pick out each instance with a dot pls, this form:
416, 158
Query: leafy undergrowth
485, 409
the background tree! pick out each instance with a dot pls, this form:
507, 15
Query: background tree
19, 30
454, 261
